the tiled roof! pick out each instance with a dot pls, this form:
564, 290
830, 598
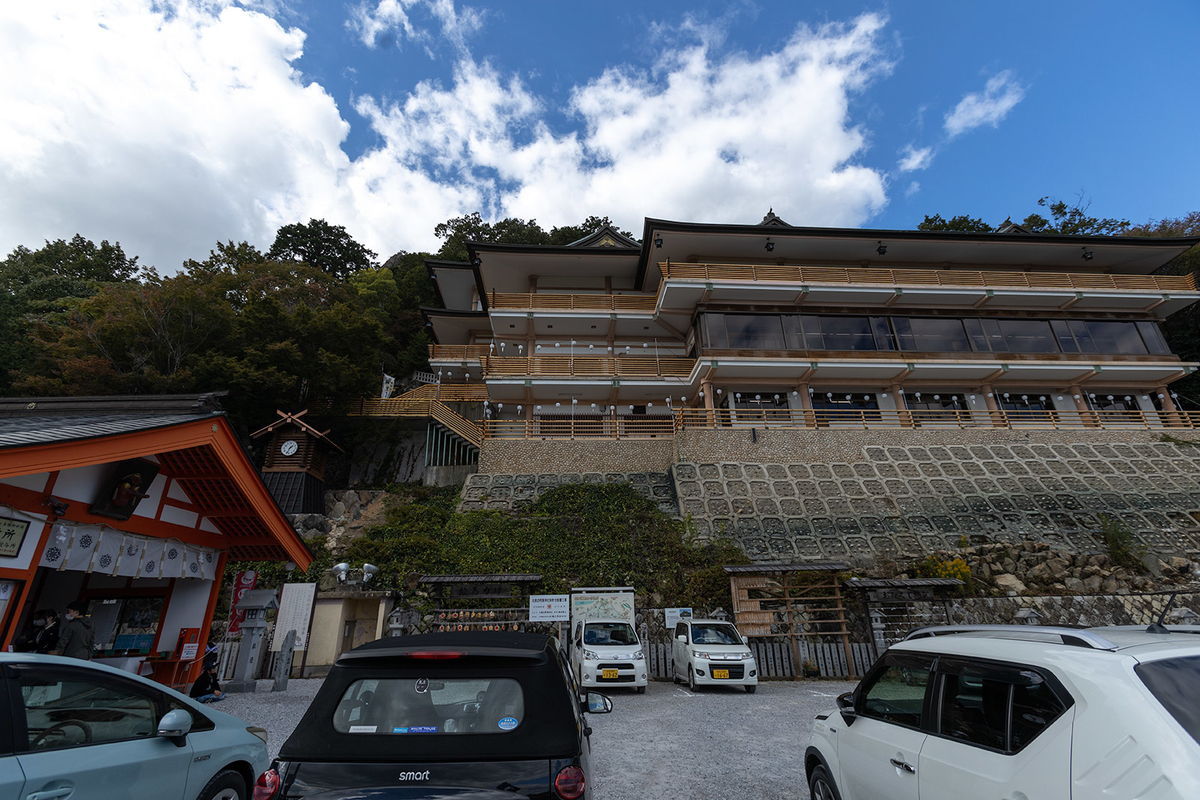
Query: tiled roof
37, 429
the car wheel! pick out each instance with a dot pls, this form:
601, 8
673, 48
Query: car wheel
752, 688
641, 690
225, 785
821, 787
691, 679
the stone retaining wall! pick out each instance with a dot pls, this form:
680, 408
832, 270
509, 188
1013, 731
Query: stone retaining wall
515, 456
516, 491
903, 496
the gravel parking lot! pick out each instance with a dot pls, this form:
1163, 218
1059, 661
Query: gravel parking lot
667, 743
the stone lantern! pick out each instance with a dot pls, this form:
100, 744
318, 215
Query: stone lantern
256, 603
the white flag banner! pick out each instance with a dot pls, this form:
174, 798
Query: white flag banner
389, 386
131, 556
152, 553
208, 564
83, 547
57, 547
191, 564
108, 551
173, 559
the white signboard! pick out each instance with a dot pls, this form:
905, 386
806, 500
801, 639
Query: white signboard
294, 614
673, 615
603, 605
549, 608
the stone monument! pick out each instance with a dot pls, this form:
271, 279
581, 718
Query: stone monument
256, 603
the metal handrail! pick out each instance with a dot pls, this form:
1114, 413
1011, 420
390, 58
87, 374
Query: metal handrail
624, 366
787, 418
1070, 636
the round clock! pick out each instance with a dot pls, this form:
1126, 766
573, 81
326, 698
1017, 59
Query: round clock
289, 447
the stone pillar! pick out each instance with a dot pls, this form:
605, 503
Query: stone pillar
1086, 416
805, 416
903, 417
995, 415
1171, 417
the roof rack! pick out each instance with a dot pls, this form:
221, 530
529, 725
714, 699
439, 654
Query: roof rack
1069, 636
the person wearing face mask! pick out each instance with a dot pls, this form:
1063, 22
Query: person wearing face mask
77, 637
42, 635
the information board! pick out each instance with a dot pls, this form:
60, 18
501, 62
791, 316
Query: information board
295, 613
672, 617
549, 608
12, 536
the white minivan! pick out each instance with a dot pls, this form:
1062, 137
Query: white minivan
712, 652
608, 652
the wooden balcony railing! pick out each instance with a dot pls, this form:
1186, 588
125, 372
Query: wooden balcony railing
581, 428
457, 352
407, 407
603, 366
448, 393
926, 277
882, 418
573, 302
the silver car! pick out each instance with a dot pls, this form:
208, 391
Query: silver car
83, 730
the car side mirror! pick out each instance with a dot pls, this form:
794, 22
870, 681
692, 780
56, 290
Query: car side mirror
845, 704
682, 638
598, 703
175, 726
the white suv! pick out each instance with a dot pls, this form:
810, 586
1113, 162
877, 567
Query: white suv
1025, 712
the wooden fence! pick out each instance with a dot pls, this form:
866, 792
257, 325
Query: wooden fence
775, 661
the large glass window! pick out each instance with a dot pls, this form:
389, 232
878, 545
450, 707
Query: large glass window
1028, 336
897, 694
754, 331
934, 335
406, 706
1118, 338
847, 333
1152, 336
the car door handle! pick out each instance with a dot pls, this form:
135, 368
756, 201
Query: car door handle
53, 794
904, 765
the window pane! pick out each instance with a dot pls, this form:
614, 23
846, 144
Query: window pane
975, 334
754, 332
1116, 338
904, 333
1080, 329
793, 335
897, 696
1033, 709
975, 710
1062, 332
1028, 336
1152, 336
66, 709
883, 334
995, 338
847, 333
813, 338
1175, 682
715, 328
938, 335
406, 706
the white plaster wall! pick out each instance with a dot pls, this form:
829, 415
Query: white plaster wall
189, 603
34, 483
179, 516
80, 483
149, 505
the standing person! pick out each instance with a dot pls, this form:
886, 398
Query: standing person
42, 635
77, 637
206, 689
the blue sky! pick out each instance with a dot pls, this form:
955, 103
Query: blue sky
172, 125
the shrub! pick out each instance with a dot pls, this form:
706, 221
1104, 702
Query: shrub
1119, 543
934, 567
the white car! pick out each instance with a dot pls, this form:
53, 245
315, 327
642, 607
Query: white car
607, 652
1014, 711
712, 652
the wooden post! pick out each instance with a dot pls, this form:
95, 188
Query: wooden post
841, 609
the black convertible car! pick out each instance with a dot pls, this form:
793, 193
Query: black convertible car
456, 715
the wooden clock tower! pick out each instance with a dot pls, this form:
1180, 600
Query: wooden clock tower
294, 468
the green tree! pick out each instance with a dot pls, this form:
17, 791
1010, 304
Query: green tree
573, 233
1071, 219
327, 247
456, 232
961, 223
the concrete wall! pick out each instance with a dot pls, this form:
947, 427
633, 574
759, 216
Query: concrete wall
514, 492
513, 456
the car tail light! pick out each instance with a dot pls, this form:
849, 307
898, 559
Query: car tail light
568, 782
436, 654
267, 785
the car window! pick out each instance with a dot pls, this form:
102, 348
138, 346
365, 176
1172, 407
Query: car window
1175, 682
897, 694
715, 634
388, 706
199, 721
1034, 707
975, 710
609, 633
68, 708
681, 629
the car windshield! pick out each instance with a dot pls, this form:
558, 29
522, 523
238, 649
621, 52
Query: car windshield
1175, 682
602, 633
715, 634
387, 706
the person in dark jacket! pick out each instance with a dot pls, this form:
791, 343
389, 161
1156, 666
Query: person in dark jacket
42, 635
206, 689
77, 637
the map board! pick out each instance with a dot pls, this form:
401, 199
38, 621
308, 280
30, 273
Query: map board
602, 605
295, 613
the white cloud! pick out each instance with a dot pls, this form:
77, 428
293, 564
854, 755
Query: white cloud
384, 19
912, 189
914, 159
999, 97
172, 131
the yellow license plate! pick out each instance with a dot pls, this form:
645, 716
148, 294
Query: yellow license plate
608, 674
721, 674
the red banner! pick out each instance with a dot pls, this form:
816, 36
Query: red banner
242, 583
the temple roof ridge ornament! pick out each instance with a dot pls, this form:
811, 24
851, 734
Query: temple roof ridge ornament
606, 236
774, 220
